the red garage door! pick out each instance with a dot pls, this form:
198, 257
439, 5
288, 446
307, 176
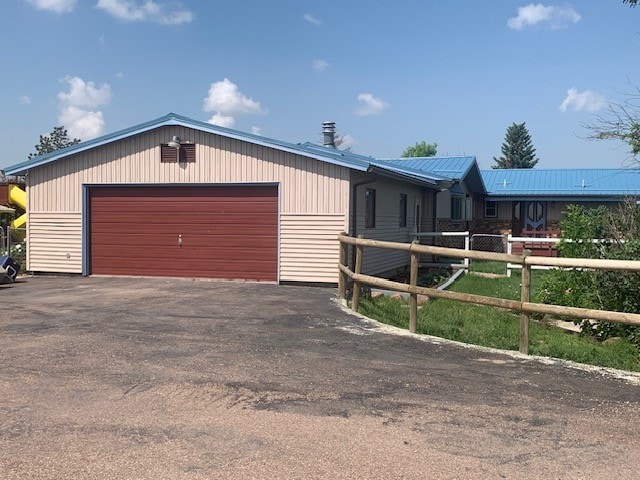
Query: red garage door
214, 232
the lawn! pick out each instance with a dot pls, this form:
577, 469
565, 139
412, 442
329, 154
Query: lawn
498, 328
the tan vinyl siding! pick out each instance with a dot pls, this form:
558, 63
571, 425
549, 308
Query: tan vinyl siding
309, 247
55, 242
307, 185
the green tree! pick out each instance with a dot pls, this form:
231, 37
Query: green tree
517, 149
421, 149
57, 139
633, 3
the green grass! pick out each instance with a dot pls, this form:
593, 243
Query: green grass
486, 266
497, 328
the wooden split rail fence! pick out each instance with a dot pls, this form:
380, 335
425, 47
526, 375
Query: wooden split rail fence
524, 305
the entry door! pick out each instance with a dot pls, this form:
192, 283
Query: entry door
535, 218
418, 215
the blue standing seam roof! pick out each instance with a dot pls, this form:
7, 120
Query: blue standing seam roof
173, 119
562, 182
456, 167
319, 152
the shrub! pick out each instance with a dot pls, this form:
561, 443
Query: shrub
618, 232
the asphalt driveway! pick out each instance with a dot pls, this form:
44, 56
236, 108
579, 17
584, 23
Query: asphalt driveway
161, 378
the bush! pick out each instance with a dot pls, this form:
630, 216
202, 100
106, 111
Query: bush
619, 235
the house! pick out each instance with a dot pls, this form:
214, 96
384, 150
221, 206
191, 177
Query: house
460, 204
534, 200
518, 201
179, 197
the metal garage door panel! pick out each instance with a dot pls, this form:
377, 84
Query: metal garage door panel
225, 232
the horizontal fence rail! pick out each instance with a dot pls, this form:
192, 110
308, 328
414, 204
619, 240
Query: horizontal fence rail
465, 236
524, 306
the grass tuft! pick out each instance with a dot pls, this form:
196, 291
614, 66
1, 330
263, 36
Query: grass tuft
497, 328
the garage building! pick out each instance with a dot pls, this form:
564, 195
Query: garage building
177, 197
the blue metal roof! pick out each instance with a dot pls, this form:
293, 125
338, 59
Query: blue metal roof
449, 167
580, 182
318, 152
458, 168
172, 119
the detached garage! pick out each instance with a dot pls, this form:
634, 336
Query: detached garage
177, 197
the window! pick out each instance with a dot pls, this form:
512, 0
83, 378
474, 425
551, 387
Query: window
403, 210
457, 208
370, 208
490, 209
169, 154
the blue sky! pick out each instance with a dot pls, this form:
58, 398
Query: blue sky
388, 73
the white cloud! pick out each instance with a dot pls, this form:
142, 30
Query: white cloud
587, 100
311, 19
256, 130
320, 64
222, 120
85, 94
228, 102
24, 100
82, 124
164, 13
57, 6
77, 104
533, 14
119, 75
370, 105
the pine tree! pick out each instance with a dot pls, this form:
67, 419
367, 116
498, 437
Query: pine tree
59, 138
517, 149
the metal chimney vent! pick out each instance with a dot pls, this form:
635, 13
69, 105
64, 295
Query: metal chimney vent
329, 134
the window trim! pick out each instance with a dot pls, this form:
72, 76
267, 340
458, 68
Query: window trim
486, 209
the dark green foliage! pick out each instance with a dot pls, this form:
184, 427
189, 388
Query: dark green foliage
517, 149
433, 277
632, 3
59, 138
421, 149
599, 289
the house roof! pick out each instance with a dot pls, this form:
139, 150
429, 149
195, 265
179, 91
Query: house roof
504, 184
459, 168
318, 152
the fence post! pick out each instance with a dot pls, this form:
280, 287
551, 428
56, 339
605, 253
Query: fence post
467, 248
509, 243
525, 296
413, 298
342, 277
355, 301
